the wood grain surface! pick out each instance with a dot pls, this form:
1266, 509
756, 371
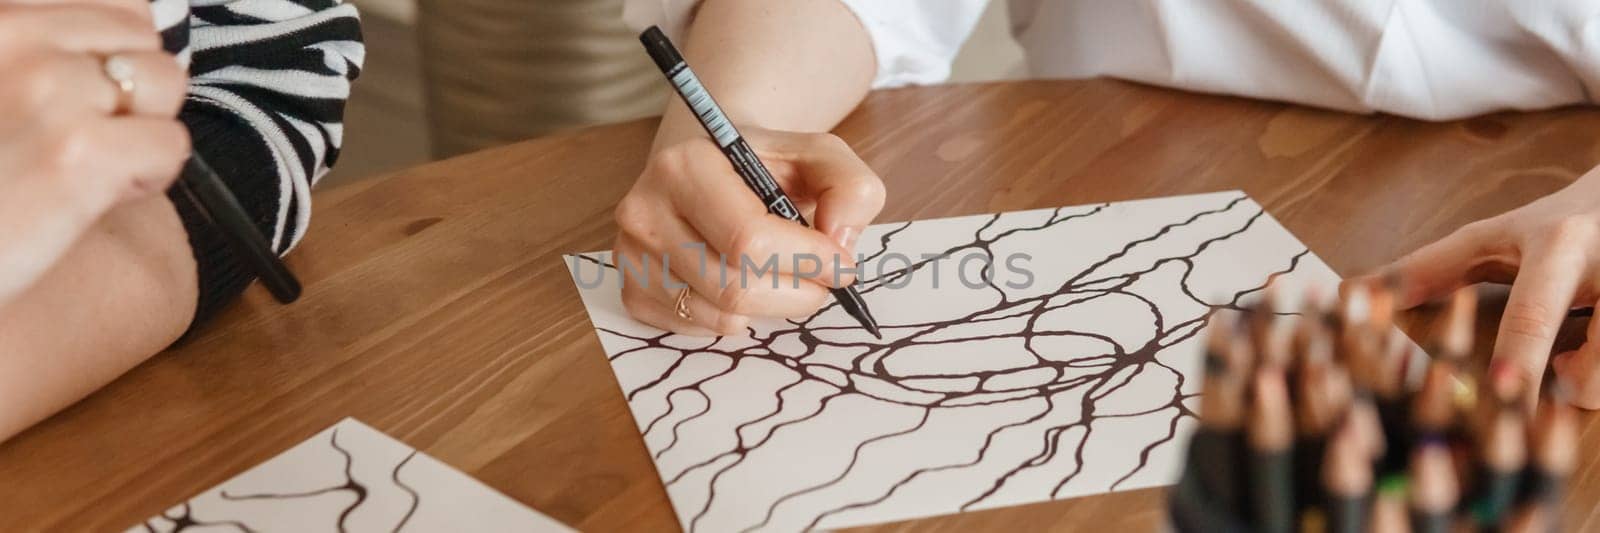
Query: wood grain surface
438, 309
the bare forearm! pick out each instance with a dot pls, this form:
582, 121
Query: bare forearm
798, 65
125, 291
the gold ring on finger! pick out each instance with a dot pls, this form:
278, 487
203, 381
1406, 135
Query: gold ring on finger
120, 70
682, 306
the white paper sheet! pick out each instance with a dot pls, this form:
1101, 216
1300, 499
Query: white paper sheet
351, 478
1080, 382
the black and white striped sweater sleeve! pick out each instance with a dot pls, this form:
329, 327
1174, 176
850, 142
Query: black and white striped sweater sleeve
268, 84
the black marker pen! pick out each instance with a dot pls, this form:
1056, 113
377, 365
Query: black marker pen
739, 153
209, 196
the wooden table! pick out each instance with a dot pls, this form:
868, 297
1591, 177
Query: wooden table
439, 311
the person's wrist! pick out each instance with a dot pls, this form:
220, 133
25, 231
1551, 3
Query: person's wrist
675, 128
679, 125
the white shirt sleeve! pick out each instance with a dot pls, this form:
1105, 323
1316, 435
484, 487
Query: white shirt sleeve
1570, 28
1444, 61
914, 40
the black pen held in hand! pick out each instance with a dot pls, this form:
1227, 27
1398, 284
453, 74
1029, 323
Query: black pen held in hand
739, 153
202, 187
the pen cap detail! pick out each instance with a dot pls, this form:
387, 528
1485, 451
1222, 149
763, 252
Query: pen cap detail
688, 85
660, 49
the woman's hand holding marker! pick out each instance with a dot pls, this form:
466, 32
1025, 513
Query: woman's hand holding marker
690, 210
1311, 426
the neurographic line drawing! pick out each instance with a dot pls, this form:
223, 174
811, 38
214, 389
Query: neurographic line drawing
350, 484
350, 478
981, 394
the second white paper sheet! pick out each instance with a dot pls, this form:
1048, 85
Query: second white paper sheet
1050, 354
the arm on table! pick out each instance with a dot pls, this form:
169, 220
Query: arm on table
268, 115
124, 291
265, 108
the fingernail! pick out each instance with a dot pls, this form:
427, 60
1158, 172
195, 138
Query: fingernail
1504, 380
845, 236
1501, 371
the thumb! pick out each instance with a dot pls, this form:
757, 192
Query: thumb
1579, 369
1438, 268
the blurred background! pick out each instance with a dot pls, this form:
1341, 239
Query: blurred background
447, 77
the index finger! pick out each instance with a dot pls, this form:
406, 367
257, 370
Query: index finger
1538, 303
734, 222
849, 194
1439, 267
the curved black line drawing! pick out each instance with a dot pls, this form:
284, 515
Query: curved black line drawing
1064, 402
351, 458
416, 499
185, 519
350, 484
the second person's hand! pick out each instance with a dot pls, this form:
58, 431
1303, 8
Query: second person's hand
72, 144
691, 211
1549, 250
